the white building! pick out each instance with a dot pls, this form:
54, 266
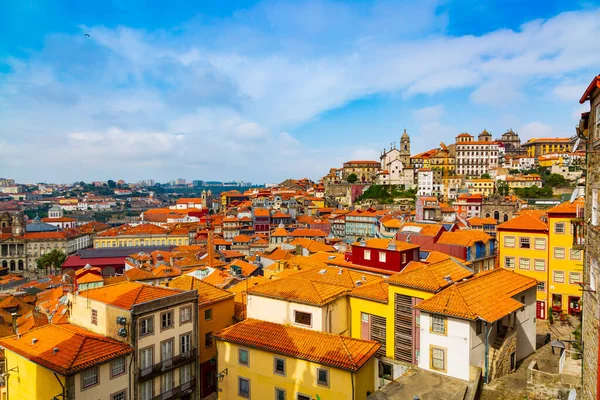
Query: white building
475, 157
490, 318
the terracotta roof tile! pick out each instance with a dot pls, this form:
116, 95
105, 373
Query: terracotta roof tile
323, 348
487, 295
207, 293
302, 232
430, 277
375, 291
524, 222
127, 294
78, 348
568, 207
383, 244
300, 290
463, 238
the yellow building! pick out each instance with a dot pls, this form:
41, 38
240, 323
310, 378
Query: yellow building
143, 235
265, 360
216, 309
550, 160
63, 361
523, 181
485, 187
565, 259
383, 310
523, 248
540, 146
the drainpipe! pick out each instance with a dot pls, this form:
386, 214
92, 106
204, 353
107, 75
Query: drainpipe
64, 391
487, 351
352, 380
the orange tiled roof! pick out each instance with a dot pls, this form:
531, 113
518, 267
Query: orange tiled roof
343, 277
261, 212
78, 348
207, 293
568, 207
246, 267
241, 239
127, 294
32, 319
524, 222
594, 84
487, 296
300, 291
463, 238
392, 223
375, 291
430, 277
426, 229
312, 245
302, 232
279, 232
322, 348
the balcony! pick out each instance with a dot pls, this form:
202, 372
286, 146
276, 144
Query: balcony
578, 233
148, 373
179, 391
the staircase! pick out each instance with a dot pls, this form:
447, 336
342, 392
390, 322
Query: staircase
494, 350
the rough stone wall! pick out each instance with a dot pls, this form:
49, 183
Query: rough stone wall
592, 252
501, 363
544, 385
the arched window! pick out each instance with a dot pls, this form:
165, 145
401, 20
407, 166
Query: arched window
4, 264
20, 265
497, 215
505, 217
12, 265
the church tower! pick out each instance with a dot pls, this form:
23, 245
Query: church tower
405, 149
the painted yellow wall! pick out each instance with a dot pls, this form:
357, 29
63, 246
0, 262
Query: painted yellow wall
531, 253
359, 306
142, 240
301, 376
222, 317
567, 264
32, 381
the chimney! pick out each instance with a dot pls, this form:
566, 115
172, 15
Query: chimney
392, 245
448, 279
55, 350
33, 341
14, 321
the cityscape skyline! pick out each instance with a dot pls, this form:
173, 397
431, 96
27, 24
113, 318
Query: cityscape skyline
178, 94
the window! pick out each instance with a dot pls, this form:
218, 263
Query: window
438, 359
524, 243
559, 276
243, 387
147, 390
185, 373
541, 286
94, 317
403, 258
574, 277
382, 256
523, 263
367, 254
117, 367
166, 320
509, 262
89, 377
146, 356
559, 227
280, 394
208, 314
594, 220
279, 366
185, 314
540, 243
386, 371
559, 252
322, 377
438, 324
478, 327
509, 241
185, 342
208, 339
146, 326
166, 350
166, 382
303, 397
575, 254
303, 318
118, 396
539, 265
243, 357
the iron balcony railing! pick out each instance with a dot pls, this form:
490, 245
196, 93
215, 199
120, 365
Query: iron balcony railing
178, 391
147, 373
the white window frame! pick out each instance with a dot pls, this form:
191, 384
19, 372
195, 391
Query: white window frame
436, 320
382, 256
367, 254
510, 265
574, 281
524, 263
88, 374
539, 240
120, 366
580, 252
560, 274
536, 263
563, 253
560, 228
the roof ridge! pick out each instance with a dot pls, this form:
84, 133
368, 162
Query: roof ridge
348, 352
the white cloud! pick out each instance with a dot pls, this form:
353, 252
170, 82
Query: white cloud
211, 99
535, 129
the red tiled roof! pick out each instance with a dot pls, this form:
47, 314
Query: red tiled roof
524, 222
127, 294
322, 348
430, 277
78, 348
375, 291
207, 293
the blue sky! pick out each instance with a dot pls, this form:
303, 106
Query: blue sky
262, 91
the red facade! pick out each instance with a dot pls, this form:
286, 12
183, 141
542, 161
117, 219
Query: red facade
394, 260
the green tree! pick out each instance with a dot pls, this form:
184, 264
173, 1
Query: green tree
352, 178
503, 188
556, 180
486, 176
53, 260
111, 184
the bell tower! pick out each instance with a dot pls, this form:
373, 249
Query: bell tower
405, 149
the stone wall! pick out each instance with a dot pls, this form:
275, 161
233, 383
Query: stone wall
544, 385
501, 363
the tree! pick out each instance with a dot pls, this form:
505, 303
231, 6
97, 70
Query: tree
555, 180
111, 184
486, 176
352, 178
53, 259
503, 188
